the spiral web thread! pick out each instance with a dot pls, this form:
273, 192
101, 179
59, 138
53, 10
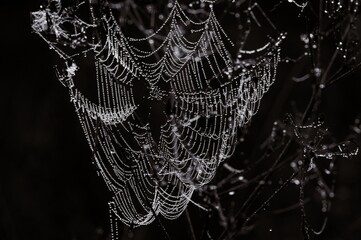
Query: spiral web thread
210, 95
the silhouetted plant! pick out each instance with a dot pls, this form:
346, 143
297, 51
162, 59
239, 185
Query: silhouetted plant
168, 113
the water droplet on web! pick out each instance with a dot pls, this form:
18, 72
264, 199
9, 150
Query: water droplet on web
231, 193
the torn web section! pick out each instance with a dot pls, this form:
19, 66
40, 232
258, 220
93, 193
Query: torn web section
64, 26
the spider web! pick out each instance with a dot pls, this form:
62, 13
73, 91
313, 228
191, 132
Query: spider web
184, 64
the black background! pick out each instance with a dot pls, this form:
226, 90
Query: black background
48, 187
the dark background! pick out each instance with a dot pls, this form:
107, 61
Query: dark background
48, 187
